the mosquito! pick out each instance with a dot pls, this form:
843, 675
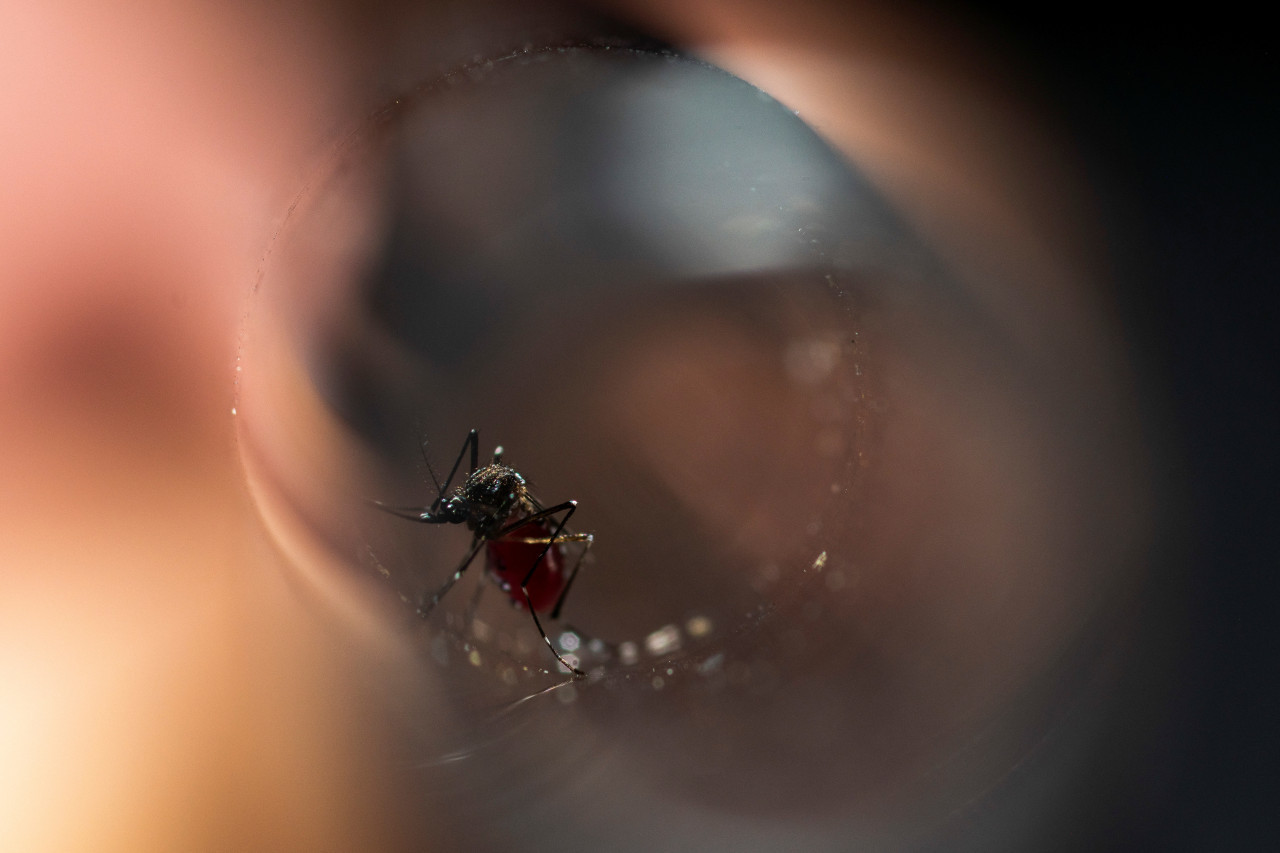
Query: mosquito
524, 542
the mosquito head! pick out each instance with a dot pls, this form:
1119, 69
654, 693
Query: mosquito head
488, 498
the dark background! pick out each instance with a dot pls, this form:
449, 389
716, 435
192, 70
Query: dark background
1177, 114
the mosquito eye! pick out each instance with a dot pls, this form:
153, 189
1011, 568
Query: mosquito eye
848, 506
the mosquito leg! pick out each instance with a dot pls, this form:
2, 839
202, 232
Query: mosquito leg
573, 573
425, 604
429, 514
472, 443
536, 621
568, 508
539, 516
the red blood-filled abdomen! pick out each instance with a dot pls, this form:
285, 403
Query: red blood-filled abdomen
509, 561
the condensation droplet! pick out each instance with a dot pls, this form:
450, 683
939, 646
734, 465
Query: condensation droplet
665, 639
698, 626
628, 653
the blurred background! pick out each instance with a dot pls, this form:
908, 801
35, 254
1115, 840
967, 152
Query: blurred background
908, 364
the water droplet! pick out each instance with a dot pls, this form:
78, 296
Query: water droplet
628, 653
711, 664
665, 639
698, 626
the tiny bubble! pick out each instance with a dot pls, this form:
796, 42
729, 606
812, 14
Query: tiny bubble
657, 682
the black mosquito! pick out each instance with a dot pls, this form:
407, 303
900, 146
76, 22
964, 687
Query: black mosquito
525, 546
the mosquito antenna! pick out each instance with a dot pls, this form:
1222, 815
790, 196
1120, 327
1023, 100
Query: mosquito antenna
435, 481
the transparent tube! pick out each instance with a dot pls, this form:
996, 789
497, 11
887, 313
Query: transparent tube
849, 541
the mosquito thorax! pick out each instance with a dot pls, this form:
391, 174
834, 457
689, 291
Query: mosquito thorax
490, 495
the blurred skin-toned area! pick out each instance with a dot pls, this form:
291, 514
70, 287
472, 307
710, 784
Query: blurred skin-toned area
162, 687
167, 681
